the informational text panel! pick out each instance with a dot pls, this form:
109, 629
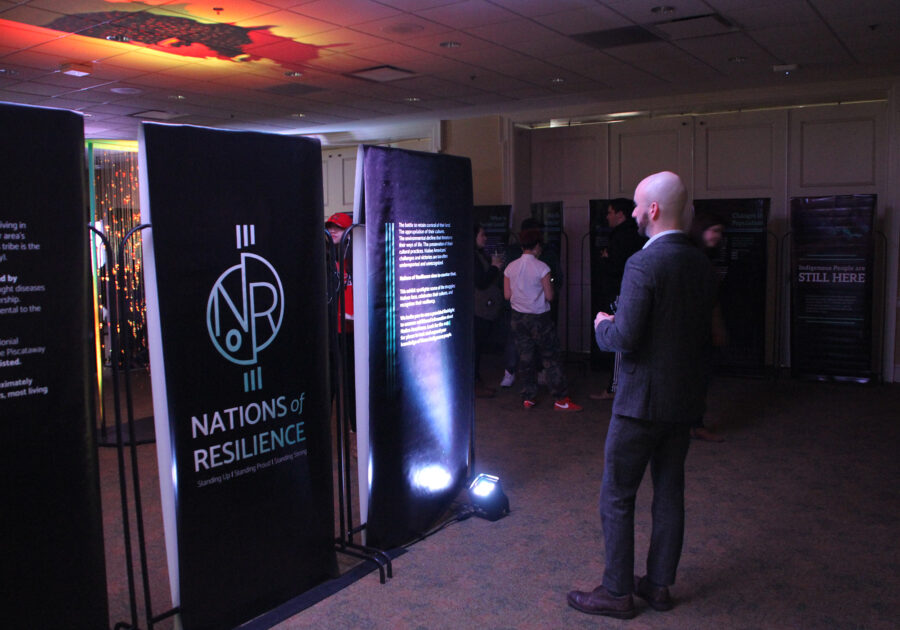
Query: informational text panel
53, 568
417, 209
831, 286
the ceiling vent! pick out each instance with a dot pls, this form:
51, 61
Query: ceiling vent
382, 74
614, 37
695, 26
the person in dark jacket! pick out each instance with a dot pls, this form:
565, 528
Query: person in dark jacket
708, 233
488, 302
624, 240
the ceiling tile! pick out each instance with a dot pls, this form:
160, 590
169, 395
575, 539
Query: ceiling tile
467, 43
231, 13
401, 28
536, 8
33, 87
595, 18
344, 40
836, 11
30, 15
690, 72
289, 24
487, 57
24, 98
78, 48
645, 52
330, 61
813, 44
513, 31
345, 12
794, 12
605, 69
548, 46
719, 50
468, 14
417, 5
640, 11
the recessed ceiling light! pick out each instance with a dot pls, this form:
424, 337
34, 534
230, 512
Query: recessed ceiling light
298, 115
785, 68
294, 74
178, 97
76, 69
663, 10
450, 44
118, 37
412, 99
737, 59
557, 80
125, 90
9, 72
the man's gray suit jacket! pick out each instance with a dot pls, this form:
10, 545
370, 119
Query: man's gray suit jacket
663, 329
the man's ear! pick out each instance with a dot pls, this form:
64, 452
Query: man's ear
653, 211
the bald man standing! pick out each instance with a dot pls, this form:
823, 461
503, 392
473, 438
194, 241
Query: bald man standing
662, 328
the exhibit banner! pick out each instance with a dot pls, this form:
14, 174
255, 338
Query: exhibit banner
550, 216
415, 400
237, 324
53, 567
740, 262
832, 271
495, 221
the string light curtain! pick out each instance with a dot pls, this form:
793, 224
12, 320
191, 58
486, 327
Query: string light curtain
115, 208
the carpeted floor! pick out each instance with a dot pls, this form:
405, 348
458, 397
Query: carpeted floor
792, 522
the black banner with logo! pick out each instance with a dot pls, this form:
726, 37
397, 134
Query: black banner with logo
740, 263
53, 568
832, 269
235, 274
417, 208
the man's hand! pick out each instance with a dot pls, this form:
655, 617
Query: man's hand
601, 316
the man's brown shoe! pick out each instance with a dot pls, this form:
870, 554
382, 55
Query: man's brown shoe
657, 596
600, 602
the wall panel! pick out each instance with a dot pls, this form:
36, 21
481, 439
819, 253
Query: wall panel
638, 148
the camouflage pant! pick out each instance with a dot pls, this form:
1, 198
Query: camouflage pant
535, 336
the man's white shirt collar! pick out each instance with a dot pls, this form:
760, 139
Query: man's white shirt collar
656, 236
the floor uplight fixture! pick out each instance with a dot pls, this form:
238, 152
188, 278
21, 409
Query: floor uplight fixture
488, 500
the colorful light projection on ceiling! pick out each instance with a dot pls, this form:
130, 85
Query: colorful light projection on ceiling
179, 30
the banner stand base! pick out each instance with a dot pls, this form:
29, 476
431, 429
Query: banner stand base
314, 595
381, 559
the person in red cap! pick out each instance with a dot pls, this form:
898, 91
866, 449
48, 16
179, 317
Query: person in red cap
336, 225
342, 354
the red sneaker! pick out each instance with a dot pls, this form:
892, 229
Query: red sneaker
528, 404
566, 404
